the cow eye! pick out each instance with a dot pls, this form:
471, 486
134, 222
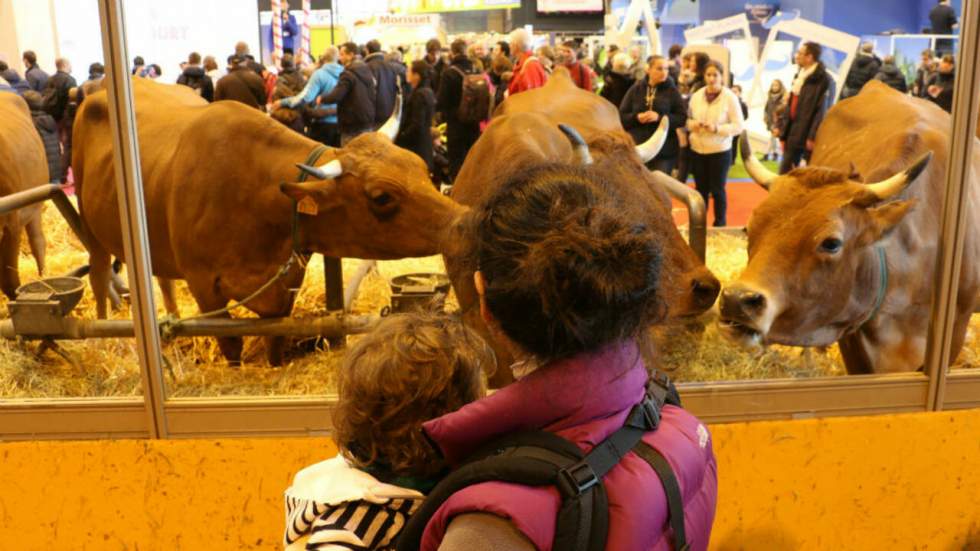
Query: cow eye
831, 245
382, 198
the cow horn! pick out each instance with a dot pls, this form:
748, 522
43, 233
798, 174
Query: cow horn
886, 189
762, 175
579, 146
328, 171
390, 127
649, 149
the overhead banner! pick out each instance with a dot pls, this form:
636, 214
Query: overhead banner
436, 6
570, 6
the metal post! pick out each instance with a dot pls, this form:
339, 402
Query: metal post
953, 223
334, 280
129, 187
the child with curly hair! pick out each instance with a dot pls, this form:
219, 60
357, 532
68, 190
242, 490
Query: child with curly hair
411, 368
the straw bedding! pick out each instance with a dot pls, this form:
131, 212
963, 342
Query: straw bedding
195, 367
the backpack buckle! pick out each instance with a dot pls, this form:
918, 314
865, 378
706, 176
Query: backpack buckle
576, 479
651, 413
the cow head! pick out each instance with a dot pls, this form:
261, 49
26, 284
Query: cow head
815, 272
372, 200
688, 287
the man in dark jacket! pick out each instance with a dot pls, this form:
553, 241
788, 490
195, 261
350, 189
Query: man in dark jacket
195, 77
923, 73
48, 130
460, 136
17, 84
289, 76
35, 77
807, 105
940, 86
55, 98
942, 17
355, 95
648, 101
241, 84
892, 75
863, 69
433, 56
386, 79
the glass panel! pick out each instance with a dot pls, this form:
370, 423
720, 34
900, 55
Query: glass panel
819, 284
38, 363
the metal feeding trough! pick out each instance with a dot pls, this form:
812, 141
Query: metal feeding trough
418, 291
41, 306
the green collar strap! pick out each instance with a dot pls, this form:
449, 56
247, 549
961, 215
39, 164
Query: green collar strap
311, 160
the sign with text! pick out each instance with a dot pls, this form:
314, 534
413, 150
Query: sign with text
570, 6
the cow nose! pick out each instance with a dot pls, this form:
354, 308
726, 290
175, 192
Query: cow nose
742, 302
705, 290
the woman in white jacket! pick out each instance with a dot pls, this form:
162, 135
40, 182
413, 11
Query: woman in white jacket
714, 118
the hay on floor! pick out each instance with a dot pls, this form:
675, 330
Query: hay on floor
109, 367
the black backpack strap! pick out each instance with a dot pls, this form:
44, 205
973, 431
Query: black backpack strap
672, 489
531, 459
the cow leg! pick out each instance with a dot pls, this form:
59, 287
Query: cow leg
208, 300
100, 271
35, 236
169, 293
277, 302
9, 252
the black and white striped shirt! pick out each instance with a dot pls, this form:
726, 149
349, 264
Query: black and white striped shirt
332, 506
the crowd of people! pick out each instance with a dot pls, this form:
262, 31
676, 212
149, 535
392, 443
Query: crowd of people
352, 89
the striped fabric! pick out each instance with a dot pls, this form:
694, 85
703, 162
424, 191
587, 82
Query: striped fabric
360, 524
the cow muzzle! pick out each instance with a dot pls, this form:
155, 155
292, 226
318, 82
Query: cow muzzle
745, 314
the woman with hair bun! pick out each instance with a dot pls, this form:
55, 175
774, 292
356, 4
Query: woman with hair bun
569, 280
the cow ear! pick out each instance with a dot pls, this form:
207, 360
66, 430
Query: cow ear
315, 189
885, 218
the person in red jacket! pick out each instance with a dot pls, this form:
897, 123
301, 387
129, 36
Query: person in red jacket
568, 56
528, 71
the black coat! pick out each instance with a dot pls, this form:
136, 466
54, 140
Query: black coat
415, 132
387, 86
862, 70
615, 87
451, 90
242, 85
195, 77
48, 130
59, 84
292, 79
892, 76
355, 96
945, 97
667, 101
810, 109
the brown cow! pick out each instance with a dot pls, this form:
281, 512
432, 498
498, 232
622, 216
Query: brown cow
24, 166
218, 182
525, 131
833, 259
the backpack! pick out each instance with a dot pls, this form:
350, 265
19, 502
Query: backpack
539, 458
475, 100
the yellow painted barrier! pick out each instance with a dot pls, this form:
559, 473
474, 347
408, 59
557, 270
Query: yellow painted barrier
885, 482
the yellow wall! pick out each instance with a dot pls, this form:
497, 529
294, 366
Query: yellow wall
887, 482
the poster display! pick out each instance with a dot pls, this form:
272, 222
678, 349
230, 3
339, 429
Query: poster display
435, 6
570, 6
162, 33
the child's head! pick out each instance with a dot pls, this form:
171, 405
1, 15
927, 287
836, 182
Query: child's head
411, 368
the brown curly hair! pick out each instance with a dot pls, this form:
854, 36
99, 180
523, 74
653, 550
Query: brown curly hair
409, 369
